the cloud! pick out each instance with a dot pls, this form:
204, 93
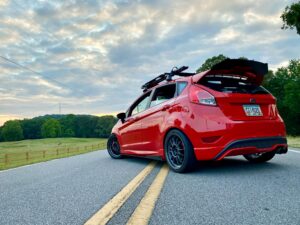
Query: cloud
93, 56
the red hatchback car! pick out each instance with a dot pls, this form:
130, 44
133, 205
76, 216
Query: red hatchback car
206, 116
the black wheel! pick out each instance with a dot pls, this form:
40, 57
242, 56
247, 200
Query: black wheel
179, 152
260, 157
113, 147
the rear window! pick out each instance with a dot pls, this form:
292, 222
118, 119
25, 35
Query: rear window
181, 86
163, 94
231, 84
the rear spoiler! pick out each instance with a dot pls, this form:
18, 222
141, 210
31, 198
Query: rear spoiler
255, 67
253, 70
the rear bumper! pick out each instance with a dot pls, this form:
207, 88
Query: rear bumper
254, 145
243, 147
210, 132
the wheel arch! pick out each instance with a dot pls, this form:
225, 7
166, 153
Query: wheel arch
118, 136
168, 131
174, 128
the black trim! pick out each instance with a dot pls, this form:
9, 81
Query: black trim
258, 68
158, 158
167, 77
265, 142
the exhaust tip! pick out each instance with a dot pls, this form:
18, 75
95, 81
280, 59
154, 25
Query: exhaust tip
281, 150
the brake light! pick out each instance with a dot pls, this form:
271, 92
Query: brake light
201, 96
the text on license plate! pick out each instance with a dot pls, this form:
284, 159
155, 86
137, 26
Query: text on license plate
252, 110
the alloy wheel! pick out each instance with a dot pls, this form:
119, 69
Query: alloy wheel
113, 147
175, 151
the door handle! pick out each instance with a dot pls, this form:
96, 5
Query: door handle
166, 107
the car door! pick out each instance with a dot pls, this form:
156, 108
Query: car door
130, 130
153, 119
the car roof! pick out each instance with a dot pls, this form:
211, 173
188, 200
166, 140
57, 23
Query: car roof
186, 79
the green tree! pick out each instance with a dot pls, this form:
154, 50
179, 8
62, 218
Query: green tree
105, 125
284, 84
32, 127
210, 62
291, 17
68, 125
12, 131
85, 125
1, 138
51, 128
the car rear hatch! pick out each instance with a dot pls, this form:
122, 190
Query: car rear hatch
235, 84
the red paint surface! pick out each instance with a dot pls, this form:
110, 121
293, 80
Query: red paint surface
143, 134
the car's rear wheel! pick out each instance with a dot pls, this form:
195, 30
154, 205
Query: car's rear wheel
260, 157
179, 152
113, 147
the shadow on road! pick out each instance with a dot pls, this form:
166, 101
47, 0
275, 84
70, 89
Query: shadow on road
237, 165
225, 166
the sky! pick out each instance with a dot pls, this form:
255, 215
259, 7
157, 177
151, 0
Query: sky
91, 57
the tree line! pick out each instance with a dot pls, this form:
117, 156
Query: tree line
52, 126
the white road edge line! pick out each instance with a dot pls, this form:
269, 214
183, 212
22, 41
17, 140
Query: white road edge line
29, 165
19, 167
291, 150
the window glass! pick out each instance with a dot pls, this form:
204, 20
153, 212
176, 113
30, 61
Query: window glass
181, 86
163, 94
232, 84
141, 104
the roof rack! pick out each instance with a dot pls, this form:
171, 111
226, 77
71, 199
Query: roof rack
167, 77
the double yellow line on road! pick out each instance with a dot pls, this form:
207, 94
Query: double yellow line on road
143, 211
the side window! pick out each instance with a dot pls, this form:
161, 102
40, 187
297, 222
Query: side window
140, 105
180, 87
163, 94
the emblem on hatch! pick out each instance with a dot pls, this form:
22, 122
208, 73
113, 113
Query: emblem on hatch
252, 100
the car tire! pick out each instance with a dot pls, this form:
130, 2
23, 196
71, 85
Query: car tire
260, 157
179, 152
113, 147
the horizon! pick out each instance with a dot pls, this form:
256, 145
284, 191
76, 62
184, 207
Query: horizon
92, 57
18, 118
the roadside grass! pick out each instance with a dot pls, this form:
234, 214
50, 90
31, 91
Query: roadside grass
294, 141
19, 153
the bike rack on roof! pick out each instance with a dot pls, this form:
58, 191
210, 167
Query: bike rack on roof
167, 77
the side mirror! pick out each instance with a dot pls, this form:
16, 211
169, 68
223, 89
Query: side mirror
121, 116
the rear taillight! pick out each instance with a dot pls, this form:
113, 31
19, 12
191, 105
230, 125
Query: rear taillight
201, 96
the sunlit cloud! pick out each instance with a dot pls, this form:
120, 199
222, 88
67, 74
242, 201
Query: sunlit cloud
93, 56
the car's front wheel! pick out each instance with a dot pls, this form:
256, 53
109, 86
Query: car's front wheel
260, 157
113, 147
179, 152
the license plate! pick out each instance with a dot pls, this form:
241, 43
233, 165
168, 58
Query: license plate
252, 110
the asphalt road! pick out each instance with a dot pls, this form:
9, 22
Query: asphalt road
233, 191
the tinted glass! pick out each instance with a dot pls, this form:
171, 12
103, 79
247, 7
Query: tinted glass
163, 94
180, 87
140, 105
232, 84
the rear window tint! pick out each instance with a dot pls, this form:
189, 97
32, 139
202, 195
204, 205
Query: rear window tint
163, 94
231, 84
180, 87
